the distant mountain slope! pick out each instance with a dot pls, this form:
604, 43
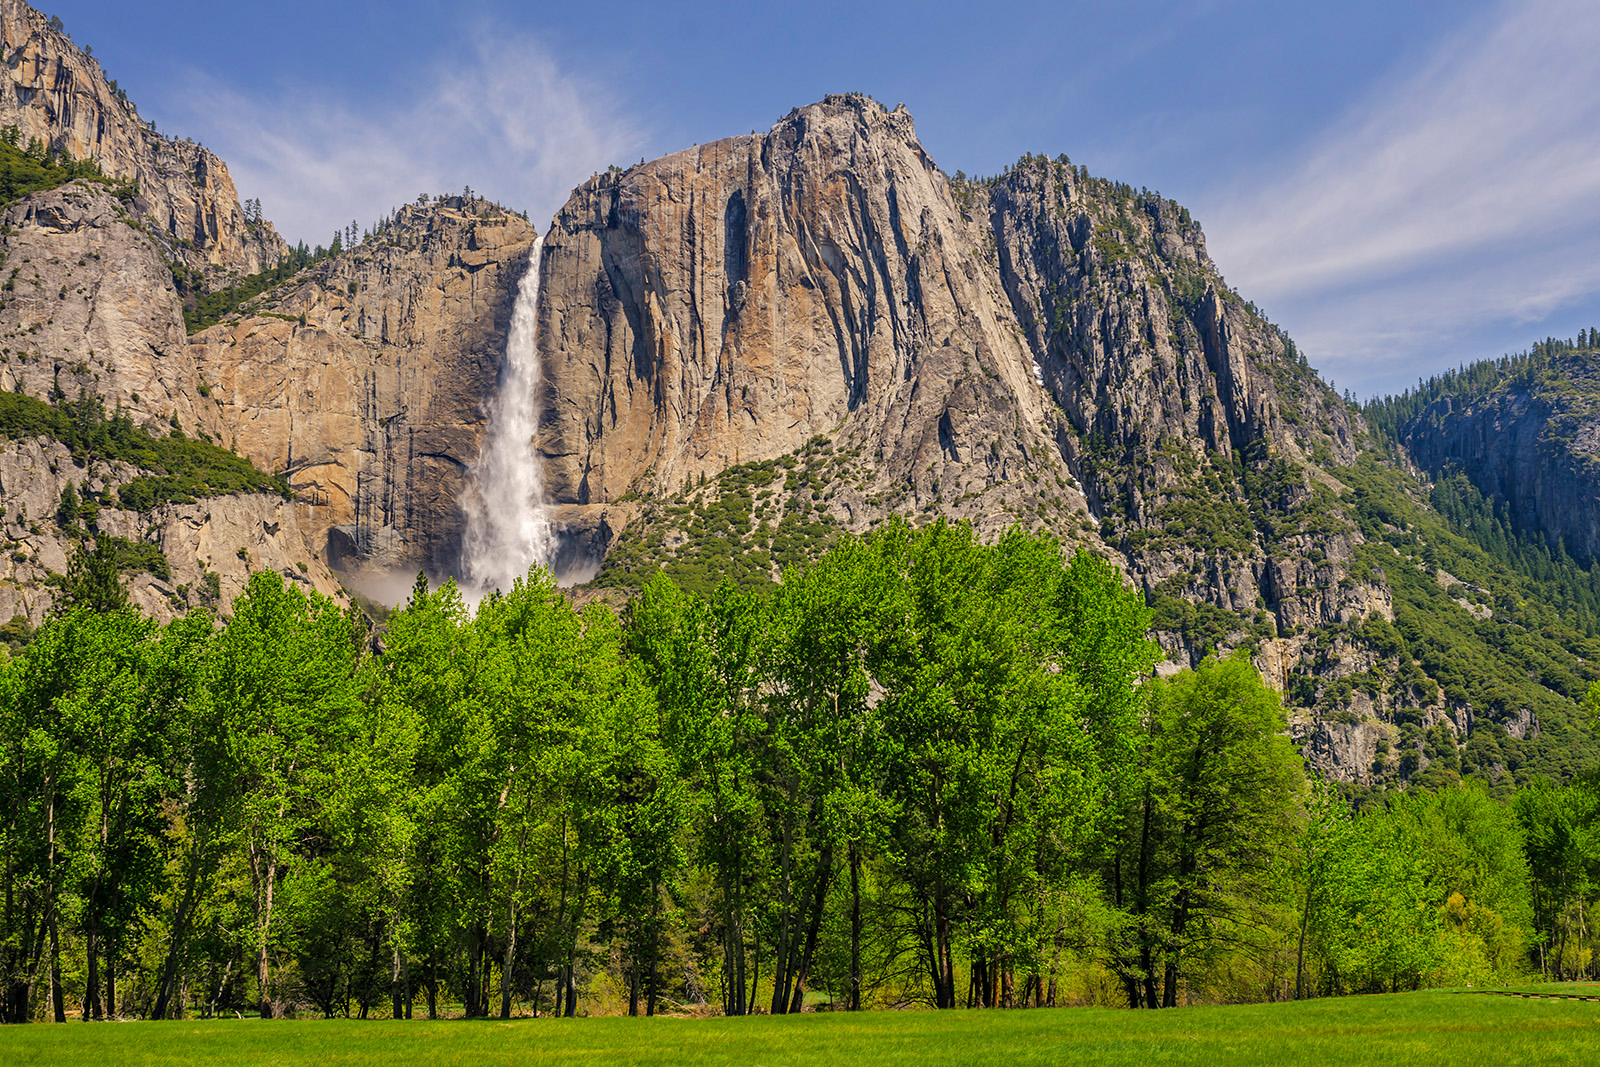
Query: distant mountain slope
1525, 430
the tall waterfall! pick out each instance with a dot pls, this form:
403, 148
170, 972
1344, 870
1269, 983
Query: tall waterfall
508, 527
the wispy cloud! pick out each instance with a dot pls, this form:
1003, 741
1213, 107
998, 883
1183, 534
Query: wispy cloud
509, 121
1461, 196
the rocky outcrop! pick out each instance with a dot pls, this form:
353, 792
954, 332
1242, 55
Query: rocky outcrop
752, 344
54, 93
87, 304
209, 547
1043, 348
366, 378
830, 330
1197, 431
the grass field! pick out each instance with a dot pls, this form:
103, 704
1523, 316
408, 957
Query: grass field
1430, 1028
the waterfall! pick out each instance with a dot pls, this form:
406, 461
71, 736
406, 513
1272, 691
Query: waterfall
508, 526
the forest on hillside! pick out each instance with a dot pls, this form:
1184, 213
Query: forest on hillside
920, 771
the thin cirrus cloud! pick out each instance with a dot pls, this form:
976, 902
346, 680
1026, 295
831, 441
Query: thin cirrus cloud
1460, 202
511, 123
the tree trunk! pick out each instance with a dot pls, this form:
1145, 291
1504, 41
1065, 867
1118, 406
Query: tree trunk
633, 977
819, 901
263, 928
506, 967
945, 985
395, 995
654, 953
1055, 963
180, 926
57, 995
56, 998
755, 968
1142, 905
110, 956
855, 927
582, 894
733, 936
472, 995
1300, 952
91, 974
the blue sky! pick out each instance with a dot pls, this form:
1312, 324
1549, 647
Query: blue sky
1404, 186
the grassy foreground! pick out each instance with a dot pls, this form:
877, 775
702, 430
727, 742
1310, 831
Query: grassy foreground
1421, 1028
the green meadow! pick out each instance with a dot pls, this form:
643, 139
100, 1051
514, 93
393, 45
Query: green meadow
1433, 1027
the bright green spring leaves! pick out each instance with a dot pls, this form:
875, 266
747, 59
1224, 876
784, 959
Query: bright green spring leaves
924, 770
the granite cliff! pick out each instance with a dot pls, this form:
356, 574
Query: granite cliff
759, 341
56, 94
1526, 432
365, 380
1046, 348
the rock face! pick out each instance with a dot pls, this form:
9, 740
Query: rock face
210, 546
87, 304
1182, 405
365, 380
779, 336
53, 93
1043, 348
757, 340
1529, 441
727, 303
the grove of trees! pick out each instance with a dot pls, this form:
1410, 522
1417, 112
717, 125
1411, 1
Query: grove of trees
921, 771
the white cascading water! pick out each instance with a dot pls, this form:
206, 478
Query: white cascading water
508, 526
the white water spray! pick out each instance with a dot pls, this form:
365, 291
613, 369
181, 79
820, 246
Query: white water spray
508, 524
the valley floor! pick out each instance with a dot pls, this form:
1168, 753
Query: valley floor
1432, 1027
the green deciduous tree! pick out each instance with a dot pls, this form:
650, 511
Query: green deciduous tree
1207, 827
285, 690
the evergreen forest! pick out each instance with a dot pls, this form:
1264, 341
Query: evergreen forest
921, 771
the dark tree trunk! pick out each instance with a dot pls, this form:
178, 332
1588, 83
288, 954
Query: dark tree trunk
855, 927
180, 930
91, 974
633, 977
818, 903
653, 957
110, 956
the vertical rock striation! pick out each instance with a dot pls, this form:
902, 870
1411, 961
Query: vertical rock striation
1530, 442
728, 303
366, 381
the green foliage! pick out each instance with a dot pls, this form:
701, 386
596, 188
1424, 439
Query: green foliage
1517, 651
31, 170
91, 581
203, 309
745, 527
1432, 888
180, 468
16, 633
917, 770
1561, 839
1202, 625
1203, 829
